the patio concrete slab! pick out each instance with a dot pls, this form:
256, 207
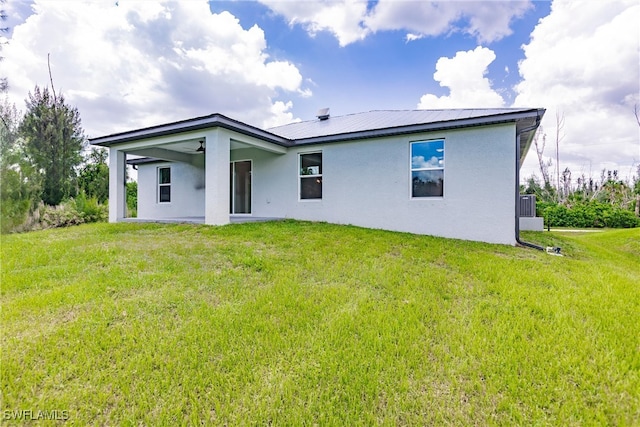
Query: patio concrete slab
234, 219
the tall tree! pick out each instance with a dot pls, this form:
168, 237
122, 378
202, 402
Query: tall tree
636, 190
559, 137
54, 141
19, 182
544, 166
4, 85
637, 182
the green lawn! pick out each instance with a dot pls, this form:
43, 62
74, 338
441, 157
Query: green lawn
295, 323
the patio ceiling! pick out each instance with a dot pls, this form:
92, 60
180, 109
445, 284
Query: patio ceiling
189, 146
180, 151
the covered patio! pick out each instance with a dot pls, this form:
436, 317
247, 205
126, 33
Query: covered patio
200, 148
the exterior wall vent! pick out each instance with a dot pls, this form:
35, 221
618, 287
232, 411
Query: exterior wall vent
323, 114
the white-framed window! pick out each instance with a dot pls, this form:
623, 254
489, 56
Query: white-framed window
164, 184
427, 168
310, 177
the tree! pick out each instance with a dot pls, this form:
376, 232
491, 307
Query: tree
566, 182
132, 199
559, 137
546, 192
94, 176
636, 190
19, 182
637, 182
544, 166
54, 141
4, 85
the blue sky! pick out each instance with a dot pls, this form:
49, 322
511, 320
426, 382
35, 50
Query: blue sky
383, 71
132, 63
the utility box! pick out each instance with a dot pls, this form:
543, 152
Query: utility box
528, 219
527, 205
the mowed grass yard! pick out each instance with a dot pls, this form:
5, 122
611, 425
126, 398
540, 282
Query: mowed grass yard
296, 323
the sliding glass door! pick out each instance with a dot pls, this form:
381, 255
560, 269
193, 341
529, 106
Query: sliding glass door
240, 180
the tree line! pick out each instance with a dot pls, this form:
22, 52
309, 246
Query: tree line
49, 176
606, 200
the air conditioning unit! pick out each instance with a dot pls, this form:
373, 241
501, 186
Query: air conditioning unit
527, 205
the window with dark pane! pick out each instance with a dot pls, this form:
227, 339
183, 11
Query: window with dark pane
164, 185
311, 176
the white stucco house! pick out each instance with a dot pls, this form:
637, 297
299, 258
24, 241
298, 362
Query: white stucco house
451, 173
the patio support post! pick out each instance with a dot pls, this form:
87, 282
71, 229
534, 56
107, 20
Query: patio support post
217, 157
117, 165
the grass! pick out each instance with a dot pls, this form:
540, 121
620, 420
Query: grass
295, 323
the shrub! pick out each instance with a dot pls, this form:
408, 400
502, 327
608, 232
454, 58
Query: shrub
70, 212
586, 214
14, 213
62, 215
620, 218
90, 209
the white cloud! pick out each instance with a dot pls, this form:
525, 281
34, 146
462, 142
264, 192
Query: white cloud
135, 64
586, 68
343, 18
305, 93
491, 20
352, 20
464, 75
419, 18
487, 21
280, 115
419, 162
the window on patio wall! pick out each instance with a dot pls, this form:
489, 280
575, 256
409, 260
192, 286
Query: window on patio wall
164, 185
427, 168
311, 176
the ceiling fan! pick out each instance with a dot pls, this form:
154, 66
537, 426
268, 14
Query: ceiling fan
201, 148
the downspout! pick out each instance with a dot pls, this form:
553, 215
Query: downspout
520, 242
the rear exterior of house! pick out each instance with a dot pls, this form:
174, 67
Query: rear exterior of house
454, 176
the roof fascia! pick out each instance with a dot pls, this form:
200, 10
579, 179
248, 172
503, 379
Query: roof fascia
206, 122
144, 160
528, 133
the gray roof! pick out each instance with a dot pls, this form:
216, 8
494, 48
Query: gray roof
370, 124
386, 122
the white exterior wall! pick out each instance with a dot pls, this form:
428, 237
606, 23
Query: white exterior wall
369, 183
187, 190
273, 188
